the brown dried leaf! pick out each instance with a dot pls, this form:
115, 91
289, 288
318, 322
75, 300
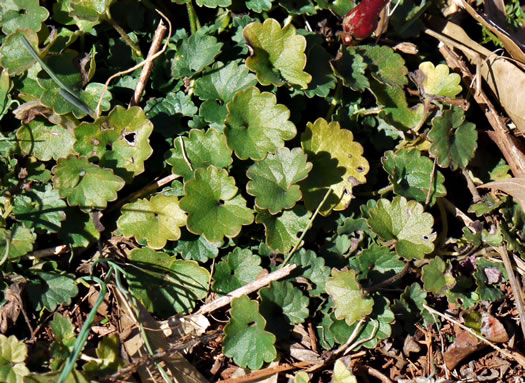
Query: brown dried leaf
512, 186
464, 345
12, 307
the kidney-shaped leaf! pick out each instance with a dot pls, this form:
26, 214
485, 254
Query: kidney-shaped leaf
45, 141
13, 354
404, 223
349, 299
22, 14
454, 141
245, 339
434, 277
277, 54
274, 179
85, 184
237, 269
14, 56
213, 205
156, 220
438, 81
120, 141
337, 163
256, 124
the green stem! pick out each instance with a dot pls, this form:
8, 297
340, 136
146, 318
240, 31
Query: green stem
335, 100
192, 15
289, 255
124, 35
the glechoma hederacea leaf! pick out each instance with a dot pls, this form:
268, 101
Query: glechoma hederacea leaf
85, 184
90, 10
434, 277
411, 174
282, 230
405, 224
199, 150
438, 81
384, 64
350, 303
21, 14
18, 239
119, 141
49, 288
164, 284
156, 220
236, 269
454, 140
318, 65
342, 374
13, 54
214, 3
13, 354
277, 55
350, 68
256, 125
312, 268
245, 339
213, 205
273, 181
337, 164
45, 141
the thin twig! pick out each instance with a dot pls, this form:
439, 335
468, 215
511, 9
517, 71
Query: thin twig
57, 250
256, 376
160, 32
509, 354
471, 186
376, 374
247, 289
514, 284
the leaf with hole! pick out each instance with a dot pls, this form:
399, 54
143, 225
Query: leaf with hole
235, 270
22, 14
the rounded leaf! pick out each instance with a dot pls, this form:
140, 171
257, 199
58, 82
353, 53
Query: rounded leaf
438, 81
14, 56
22, 14
256, 125
45, 141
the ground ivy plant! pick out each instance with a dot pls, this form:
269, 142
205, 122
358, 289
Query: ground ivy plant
260, 141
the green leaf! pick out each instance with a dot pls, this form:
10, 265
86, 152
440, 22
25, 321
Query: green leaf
214, 3
22, 14
298, 7
20, 239
434, 278
199, 150
224, 81
197, 249
342, 374
245, 339
45, 141
41, 208
411, 175
453, 141
283, 305
64, 342
337, 163
235, 270
438, 81
13, 54
378, 263
85, 184
49, 288
486, 290
108, 353
405, 224
90, 10
349, 299
273, 181
78, 230
463, 293
164, 284
409, 307
156, 220
256, 125
384, 64
313, 268
13, 354
282, 230
259, 6
318, 65
350, 68
119, 141
213, 205
277, 55
194, 54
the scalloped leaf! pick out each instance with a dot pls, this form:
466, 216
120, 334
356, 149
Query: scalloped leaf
277, 55
337, 163
213, 205
214, 3
109, 360
438, 81
45, 141
21, 241
377, 263
235, 270
256, 125
245, 339
201, 149
283, 305
78, 230
350, 68
194, 54
282, 230
156, 220
404, 224
259, 6
349, 299
273, 181
13, 354
164, 284
13, 54
435, 279
197, 249
384, 64
119, 141
318, 65
411, 175
50, 288
342, 374
313, 268
85, 184
22, 14
91, 10
453, 141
